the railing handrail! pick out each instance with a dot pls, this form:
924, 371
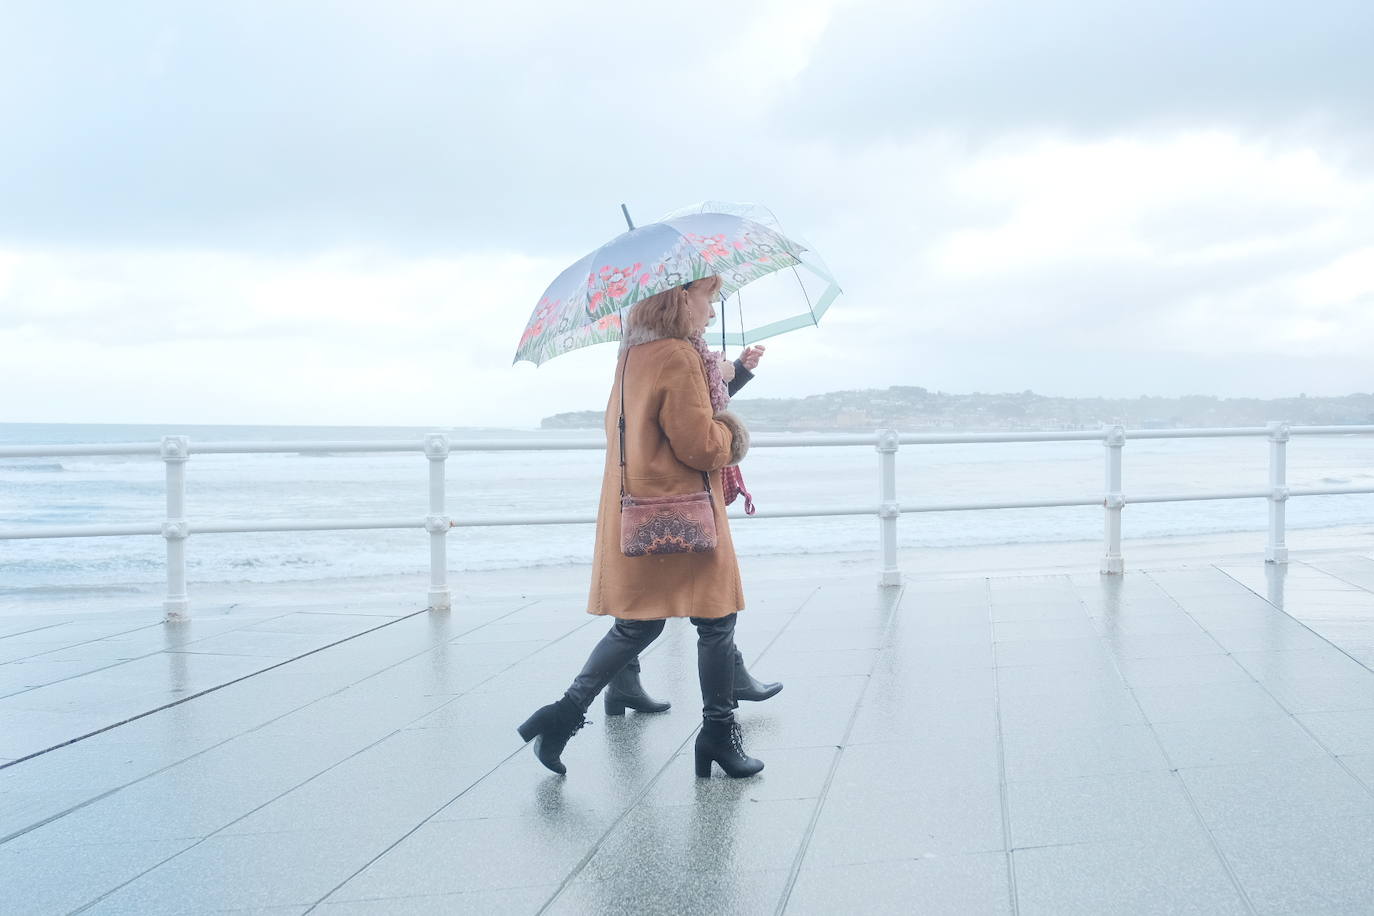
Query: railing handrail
761, 440
175, 451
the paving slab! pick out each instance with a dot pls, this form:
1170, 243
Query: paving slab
446, 857
292, 868
1321, 867
966, 885
937, 719
1217, 742
513, 901
678, 892
1167, 876
1189, 704
1343, 732
44, 881
1069, 708
1066, 753
1314, 790
1116, 807
1190, 671
907, 822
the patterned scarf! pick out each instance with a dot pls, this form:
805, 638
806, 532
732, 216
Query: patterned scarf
715, 382
730, 477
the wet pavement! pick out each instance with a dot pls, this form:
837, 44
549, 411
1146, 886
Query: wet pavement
1197, 739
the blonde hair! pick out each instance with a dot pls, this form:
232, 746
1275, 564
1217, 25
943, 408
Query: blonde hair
665, 314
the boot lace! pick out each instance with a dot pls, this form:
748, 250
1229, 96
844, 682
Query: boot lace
576, 727
737, 739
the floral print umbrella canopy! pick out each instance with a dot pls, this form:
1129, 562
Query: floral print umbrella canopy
587, 303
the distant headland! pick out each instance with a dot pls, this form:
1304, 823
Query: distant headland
911, 408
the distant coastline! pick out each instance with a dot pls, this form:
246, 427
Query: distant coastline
912, 408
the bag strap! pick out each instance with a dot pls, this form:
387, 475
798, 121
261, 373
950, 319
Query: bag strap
705, 477
624, 364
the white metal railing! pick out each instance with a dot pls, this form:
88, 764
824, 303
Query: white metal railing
175, 451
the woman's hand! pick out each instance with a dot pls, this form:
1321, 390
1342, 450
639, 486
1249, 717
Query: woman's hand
751, 356
727, 368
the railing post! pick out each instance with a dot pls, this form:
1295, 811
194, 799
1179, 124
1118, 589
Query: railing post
888, 509
1277, 549
175, 452
1114, 438
437, 523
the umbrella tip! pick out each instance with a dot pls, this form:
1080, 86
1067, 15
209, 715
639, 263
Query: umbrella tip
629, 222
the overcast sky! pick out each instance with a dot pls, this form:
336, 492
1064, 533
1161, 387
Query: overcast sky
308, 212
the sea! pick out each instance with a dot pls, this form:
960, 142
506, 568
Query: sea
110, 490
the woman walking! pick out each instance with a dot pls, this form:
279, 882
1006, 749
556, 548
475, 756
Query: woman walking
668, 381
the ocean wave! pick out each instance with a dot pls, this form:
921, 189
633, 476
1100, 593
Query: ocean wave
44, 467
274, 562
37, 591
1336, 480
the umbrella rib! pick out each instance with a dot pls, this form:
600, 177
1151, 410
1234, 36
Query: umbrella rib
742, 341
815, 322
592, 261
807, 296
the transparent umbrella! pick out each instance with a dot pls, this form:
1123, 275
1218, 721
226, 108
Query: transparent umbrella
743, 243
793, 297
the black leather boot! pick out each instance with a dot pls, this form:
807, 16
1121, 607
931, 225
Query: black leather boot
626, 692
721, 742
551, 727
746, 688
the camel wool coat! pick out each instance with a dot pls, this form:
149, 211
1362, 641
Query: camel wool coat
671, 436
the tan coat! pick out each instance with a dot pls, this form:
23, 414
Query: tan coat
671, 436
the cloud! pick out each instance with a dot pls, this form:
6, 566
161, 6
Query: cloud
990, 66
152, 296
425, 127
431, 128
193, 336
1195, 238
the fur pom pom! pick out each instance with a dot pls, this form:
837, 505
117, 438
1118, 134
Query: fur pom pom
739, 446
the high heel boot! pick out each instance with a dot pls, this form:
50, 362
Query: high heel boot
626, 692
550, 728
746, 688
721, 742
